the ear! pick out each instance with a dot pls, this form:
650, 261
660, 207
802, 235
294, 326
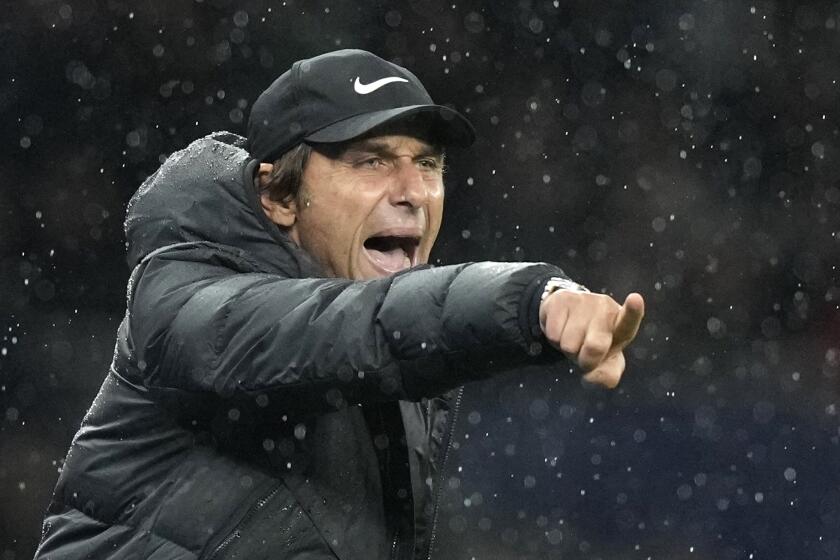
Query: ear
283, 213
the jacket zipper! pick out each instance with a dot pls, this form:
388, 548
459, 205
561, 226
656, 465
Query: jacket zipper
443, 470
389, 482
248, 516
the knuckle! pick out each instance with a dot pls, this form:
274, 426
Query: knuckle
608, 303
589, 360
598, 345
586, 363
568, 346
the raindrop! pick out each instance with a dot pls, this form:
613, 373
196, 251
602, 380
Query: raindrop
381, 441
555, 536
666, 79
715, 326
538, 409
818, 150
133, 139
474, 22
240, 18
686, 22
659, 224
393, 18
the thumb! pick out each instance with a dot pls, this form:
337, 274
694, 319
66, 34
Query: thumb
628, 320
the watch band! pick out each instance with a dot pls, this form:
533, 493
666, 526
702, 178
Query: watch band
556, 283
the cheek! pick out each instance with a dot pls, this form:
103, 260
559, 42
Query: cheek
434, 215
336, 223
435, 208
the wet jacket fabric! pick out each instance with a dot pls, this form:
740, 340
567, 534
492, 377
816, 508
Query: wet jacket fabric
255, 409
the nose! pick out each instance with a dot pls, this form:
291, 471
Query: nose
410, 187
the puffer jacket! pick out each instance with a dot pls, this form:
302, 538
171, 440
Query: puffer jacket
254, 409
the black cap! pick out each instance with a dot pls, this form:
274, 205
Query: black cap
340, 95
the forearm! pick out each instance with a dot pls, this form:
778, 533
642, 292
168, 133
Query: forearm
328, 341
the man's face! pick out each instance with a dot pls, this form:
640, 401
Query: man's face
371, 209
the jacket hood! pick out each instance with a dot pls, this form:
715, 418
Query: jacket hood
206, 193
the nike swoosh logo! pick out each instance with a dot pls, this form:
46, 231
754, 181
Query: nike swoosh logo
364, 89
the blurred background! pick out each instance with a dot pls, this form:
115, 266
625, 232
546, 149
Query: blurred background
687, 150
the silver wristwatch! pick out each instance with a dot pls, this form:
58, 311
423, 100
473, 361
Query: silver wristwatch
557, 283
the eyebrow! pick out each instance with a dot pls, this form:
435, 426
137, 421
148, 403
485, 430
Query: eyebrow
383, 149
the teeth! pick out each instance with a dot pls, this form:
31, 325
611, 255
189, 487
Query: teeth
407, 262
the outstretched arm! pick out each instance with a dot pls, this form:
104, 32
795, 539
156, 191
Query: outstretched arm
200, 323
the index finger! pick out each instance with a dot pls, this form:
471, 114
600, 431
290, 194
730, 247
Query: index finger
628, 320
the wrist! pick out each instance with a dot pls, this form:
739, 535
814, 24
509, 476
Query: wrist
558, 283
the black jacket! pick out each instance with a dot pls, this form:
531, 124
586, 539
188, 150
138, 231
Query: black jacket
256, 410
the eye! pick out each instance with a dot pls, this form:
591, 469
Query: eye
371, 163
428, 163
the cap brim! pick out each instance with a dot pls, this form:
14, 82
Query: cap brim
443, 124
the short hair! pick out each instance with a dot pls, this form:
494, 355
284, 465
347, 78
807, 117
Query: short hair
284, 182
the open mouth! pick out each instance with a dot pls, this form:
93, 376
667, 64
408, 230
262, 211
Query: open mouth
392, 253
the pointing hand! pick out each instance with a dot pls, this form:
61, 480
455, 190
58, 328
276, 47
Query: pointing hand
592, 330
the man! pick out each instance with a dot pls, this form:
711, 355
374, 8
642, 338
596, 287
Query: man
276, 385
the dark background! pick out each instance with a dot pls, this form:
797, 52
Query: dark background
687, 150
